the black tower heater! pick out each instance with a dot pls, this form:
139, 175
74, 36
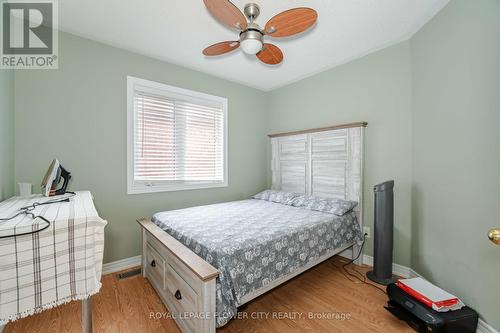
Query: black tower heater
384, 233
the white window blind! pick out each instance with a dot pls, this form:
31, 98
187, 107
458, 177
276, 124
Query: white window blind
178, 138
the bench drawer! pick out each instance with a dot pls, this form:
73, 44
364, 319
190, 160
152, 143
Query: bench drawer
155, 266
183, 297
184, 282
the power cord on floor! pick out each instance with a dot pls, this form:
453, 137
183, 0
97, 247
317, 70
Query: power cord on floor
345, 272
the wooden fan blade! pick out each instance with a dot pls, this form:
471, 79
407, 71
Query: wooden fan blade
270, 54
227, 13
221, 48
291, 22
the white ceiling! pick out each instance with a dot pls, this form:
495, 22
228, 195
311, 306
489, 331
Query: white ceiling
177, 31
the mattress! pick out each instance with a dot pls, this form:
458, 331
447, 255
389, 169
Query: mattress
253, 242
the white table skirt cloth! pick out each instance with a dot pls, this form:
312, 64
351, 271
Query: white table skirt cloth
57, 265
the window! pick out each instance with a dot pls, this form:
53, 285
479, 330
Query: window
177, 138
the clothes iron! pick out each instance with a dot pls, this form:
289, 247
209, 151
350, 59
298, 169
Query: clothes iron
52, 180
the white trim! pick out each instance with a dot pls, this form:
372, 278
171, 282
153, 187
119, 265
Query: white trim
483, 327
397, 269
137, 189
403, 271
120, 265
407, 272
134, 187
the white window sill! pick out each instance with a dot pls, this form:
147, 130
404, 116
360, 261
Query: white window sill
141, 189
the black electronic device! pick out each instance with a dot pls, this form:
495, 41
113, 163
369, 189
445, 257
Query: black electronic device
424, 319
384, 233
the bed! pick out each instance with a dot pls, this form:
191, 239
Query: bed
206, 261
253, 242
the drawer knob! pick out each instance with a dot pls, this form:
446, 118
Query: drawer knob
178, 294
153, 263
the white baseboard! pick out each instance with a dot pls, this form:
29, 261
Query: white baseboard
400, 270
483, 327
407, 272
120, 265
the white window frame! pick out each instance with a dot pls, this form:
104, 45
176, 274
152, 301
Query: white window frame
138, 187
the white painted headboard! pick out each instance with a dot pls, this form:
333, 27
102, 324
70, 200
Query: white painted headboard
325, 162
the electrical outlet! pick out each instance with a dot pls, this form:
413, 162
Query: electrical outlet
367, 232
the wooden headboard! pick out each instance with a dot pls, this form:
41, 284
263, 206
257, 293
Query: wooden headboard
325, 162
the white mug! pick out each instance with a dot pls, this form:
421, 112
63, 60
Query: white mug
25, 189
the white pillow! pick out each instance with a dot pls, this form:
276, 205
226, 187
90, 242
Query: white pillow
335, 206
281, 197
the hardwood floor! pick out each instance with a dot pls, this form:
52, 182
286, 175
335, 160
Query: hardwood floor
126, 305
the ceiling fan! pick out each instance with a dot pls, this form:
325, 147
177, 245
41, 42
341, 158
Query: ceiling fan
251, 40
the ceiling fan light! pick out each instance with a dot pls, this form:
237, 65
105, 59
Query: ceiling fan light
251, 46
251, 41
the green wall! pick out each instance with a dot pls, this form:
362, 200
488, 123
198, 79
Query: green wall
6, 134
433, 108
456, 140
78, 114
432, 104
375, 89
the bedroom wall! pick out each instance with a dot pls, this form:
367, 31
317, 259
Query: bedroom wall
376, 89
78, 114
6, 134
456, 136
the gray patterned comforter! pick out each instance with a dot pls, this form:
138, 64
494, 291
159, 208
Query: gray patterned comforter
253, 242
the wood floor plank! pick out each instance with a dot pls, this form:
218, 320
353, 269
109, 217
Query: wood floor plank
126, 306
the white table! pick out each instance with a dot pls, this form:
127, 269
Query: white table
51, 267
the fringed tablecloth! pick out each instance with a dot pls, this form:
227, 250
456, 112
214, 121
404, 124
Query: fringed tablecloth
59, 264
